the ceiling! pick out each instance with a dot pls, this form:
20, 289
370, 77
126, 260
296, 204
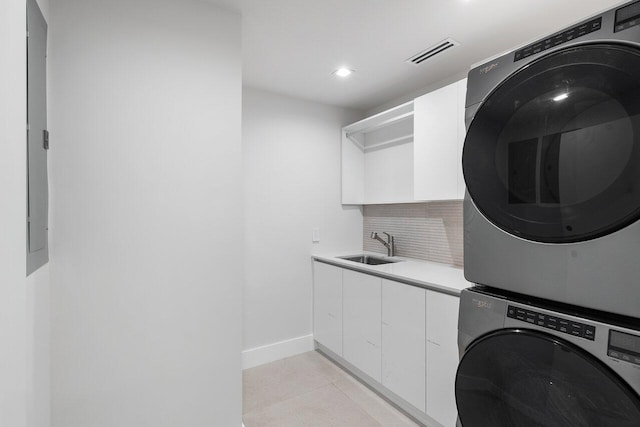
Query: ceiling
293, 46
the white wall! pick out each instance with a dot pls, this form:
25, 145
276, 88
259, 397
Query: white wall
292, 185
39, 332
24, 302
13, 301
38, 357
147, 215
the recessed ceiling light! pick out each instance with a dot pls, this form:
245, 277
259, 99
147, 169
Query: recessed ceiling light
342, 72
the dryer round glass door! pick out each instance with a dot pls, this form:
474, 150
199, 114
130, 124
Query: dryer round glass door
526, 378
553, 153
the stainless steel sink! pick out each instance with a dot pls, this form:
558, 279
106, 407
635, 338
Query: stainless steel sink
368, 259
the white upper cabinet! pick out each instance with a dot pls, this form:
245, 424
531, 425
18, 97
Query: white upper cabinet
409, 153
438, 138
462, 133
377, 158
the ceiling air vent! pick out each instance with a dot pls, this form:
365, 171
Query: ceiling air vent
432, 51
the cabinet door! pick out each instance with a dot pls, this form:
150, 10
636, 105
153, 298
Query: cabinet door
436, 144
327, 306
442, 357
362, 318
403, 341
462, 132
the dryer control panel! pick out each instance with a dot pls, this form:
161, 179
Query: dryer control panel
558, 39
569, 327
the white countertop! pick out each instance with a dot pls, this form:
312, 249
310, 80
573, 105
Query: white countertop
429, 275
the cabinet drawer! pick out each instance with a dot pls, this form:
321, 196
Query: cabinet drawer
362, 322
327, 306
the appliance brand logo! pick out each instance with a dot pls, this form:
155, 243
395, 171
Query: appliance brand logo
488, 68
482, 303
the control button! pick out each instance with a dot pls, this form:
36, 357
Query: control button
520, 314
615, 354
576, 329
596, 25
518, 55
626, 357
636, 360
563, 326
552, 323
589, 332
511, 311
619, 27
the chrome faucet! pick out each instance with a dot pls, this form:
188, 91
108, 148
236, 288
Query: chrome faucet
390, 244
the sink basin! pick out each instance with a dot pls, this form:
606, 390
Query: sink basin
368, 259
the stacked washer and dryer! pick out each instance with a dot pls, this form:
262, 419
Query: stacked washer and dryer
551, 334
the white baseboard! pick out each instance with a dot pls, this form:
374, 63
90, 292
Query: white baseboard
276, 351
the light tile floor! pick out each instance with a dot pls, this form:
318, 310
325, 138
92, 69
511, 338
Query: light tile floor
310, 390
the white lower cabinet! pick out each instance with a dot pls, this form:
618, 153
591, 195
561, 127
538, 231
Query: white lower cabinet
402, 337
442, 357
362, 321
403, 341
327, 306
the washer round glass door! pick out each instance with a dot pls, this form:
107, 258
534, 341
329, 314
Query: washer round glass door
525, 378
553, 153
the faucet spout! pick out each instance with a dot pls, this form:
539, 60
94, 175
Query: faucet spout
389, 243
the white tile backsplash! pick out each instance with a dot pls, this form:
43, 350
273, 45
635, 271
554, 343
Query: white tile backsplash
430, 231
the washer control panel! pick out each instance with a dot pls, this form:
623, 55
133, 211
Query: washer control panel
624, 346
627, 17
557, 323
